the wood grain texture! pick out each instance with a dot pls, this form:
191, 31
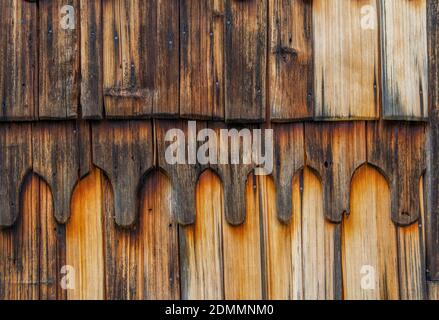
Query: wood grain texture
32, 251
301, 257
141, 58
202, 59
124, 151
432, 146
321, 244
335, 151
242, 251
142, 262
57, 159
404, 59
346, 59
18, 34
59, 57
245, 60
370, 252
233, 172
411, 262
290, 75
289, 157
433, 290
185, 171
201, 256
92, 101
283, 245
398, 150
85, 239
15, 163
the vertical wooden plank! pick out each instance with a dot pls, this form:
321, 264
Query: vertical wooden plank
411, 262
335, 150
123, 265
159, 231
289, 157
91, 59
432, 146
233, 141
201, 60
58, 60
201, 257
142, 262
20, 250
301, 257
52, 246
18, 34
245, 59
32, 251
180, 138
404, 59
283, 245
15, 163
370, 251
346, 59
141, 58
290, 74
320, 243
124, 151
85, 239
242, 251
57, 159
398, 150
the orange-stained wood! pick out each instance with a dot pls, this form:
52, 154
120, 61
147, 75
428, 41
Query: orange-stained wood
411, 263
32, 251
84, 239
242, 251
370, 252
201, 243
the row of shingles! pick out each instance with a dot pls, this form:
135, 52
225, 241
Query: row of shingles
359, 198
312, 239
119, 257
132, 59
346, 62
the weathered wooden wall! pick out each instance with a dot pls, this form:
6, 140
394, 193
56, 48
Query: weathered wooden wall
350, 88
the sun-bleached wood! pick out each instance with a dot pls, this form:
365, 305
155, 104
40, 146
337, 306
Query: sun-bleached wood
404, 59
300, 257
346, 59
369, 240
201, 255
